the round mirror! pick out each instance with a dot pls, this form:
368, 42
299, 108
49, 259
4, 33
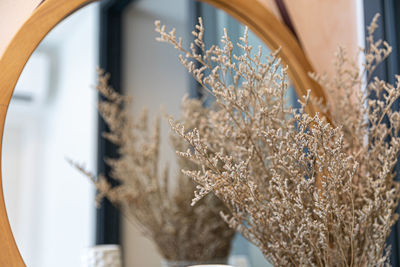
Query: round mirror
52, 114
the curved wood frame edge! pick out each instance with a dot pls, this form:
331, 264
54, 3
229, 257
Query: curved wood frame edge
276, 35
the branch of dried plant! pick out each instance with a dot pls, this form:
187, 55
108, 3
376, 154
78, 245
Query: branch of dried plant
158, 204
261, 157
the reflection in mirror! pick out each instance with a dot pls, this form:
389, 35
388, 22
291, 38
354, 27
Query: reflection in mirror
154, 77
52, 115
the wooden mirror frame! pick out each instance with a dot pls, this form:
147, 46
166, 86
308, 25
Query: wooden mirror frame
51, 12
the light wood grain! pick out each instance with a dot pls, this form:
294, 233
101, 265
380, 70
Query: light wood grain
51, 12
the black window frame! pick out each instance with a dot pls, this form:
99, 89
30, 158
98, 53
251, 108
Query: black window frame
388, 30
108, 228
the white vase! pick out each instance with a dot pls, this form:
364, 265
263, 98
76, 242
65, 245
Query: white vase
210, 263
101, 256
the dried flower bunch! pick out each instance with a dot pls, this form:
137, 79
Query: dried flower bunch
306, 192
158, 204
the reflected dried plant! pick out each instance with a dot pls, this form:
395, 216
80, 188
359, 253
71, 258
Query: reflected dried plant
158, 204
307, 193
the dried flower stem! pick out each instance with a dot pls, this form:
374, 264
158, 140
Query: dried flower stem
147, 195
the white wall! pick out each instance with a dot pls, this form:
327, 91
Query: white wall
50, 205
13, 13
154, 77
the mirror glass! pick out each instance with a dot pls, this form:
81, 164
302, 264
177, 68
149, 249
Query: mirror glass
52, 116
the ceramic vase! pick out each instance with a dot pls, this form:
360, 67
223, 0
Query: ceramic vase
102, 256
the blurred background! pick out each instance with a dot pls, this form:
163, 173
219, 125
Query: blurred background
53, 116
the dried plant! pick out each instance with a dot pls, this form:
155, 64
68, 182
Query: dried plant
306, 192
159, 205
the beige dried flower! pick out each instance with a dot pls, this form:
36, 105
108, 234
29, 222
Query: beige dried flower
262, 158
161, 210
